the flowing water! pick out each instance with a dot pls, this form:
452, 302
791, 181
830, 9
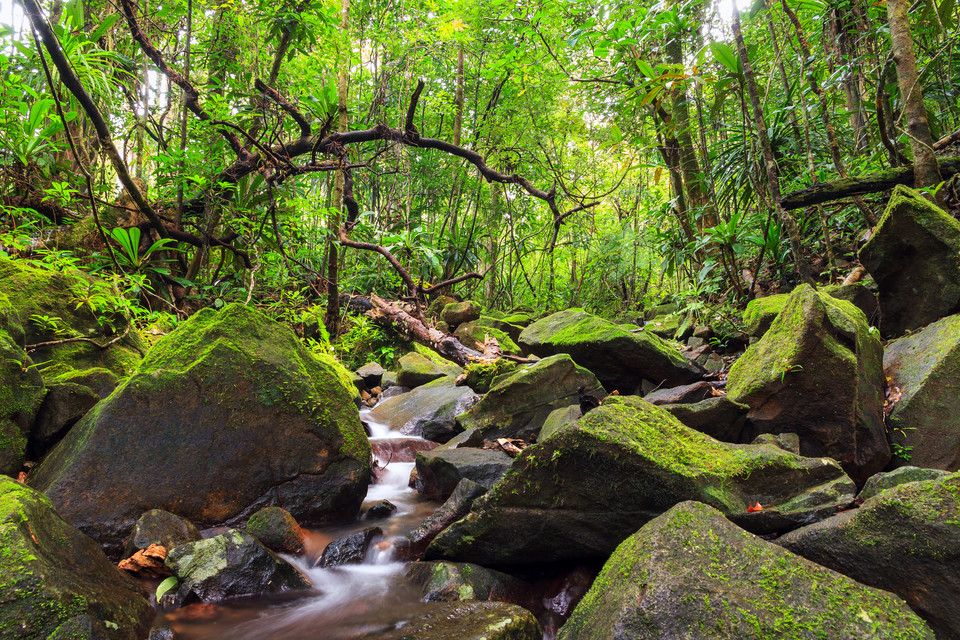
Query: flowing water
350, 601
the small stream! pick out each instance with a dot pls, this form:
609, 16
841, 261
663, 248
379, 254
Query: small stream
350, 601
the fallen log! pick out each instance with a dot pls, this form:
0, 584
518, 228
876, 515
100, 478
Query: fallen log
881, 181
408, 325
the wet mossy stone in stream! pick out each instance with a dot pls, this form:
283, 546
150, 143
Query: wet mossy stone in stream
817, 372
914, 255
440, 471
691, 573
276, 529
923, 373
517, 405
466, 620
350, 549
230, 565
454, 581
474, 337
69, 300
580, 492
905, 539
228, 414
429, 411
54, 579
619, 358
21, 393
157, 526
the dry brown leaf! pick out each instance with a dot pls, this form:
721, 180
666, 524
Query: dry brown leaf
147, 563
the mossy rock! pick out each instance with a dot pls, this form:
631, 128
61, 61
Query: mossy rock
666, 327
230, 565
466, 620
457, 313
923, 369
690, 573
54, 579
276, 529
560, 418
619, 358
415, 369
474, 337
21, 393
905, 539
480, 376
517, 405
157, 526
817, 372
429, 411
761, 312
272, 422
70, 296
577, 494
901, 475
914, 255
511, 329
456, 581
437, 305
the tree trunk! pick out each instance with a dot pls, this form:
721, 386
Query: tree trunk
926, 171
332, 318
773, 177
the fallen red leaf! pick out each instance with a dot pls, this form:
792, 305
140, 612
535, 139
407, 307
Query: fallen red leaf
755, 507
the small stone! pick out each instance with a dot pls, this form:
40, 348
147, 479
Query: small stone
383, 509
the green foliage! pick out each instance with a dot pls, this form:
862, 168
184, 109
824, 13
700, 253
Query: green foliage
364, 341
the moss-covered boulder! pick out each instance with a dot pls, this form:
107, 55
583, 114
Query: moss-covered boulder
667, 327
277, 530
558, 419
905, 539
691, 573
415, 369
457, 313
438, 304
580, 492
474, 336
21, 392
228, 414
513, 326
923, 374
157, 526
54, 579
466, 620
901, 475
914, 255
619, 358
480, 376
453, 581
454, 508
230, 565
817, 372
761, 312
429, 411
516, 406
52, 305
62, 407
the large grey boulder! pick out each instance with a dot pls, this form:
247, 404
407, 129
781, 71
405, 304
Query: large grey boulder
228, 414
923, 375
817, 372
905, 539
517, 405
619, 358
55, 581
441, 470
429, 411
580, 492
691, 573
914, 255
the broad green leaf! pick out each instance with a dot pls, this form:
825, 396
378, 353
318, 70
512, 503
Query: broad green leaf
104, 27
167, 585
724, 55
